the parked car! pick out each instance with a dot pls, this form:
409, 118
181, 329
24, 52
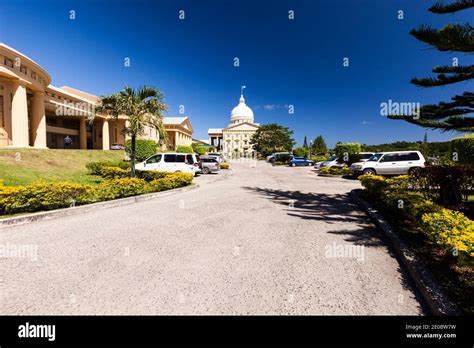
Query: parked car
389, 163
269, 158
116, 146
280, 157
171, 162
193, 160
209, 165
300, 161
218, 156
364, 156
330, 162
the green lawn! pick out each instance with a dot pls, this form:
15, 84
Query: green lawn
22, 166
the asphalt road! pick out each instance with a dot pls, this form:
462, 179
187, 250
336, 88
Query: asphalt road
252, 240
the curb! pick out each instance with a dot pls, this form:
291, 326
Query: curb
429, 288
52, 214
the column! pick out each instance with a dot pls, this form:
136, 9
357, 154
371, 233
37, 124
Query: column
19, 116
105, 135
38, 120
83, 133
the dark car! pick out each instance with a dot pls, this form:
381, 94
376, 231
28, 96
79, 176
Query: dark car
209, 165
280, 157
300, 161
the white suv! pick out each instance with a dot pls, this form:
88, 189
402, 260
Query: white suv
389, 163
171, 162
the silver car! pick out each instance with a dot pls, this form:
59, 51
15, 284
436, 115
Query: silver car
209, 165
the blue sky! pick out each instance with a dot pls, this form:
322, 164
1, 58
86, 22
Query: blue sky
282, 62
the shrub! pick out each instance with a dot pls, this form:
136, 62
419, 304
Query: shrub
464, 147
324, 170
336, 170
150, 175
319, 158
451, 230
171, 181
114, 173
42, 195
120, 188
444, 184
200, 150
225, 165
348, 152
375, 184
143, 148
400, 182
95, 168
301, 152
184, 149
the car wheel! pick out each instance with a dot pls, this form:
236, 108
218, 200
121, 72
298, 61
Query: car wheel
293, 165
205, 170
369, 172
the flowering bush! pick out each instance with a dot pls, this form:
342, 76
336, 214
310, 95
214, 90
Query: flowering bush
43, 195
448, 228
451, 230
114, 173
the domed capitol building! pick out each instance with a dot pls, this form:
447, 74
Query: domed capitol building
235, 139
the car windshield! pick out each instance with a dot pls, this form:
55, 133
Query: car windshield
332, 158
375, 157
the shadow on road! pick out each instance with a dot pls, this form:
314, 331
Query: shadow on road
330, 208
334, 208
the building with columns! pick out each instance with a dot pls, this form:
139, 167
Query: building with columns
235, 139
33, 113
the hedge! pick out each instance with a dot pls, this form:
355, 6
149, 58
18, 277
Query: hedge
464, 148
301, 152
143, 148
450, 229
95, 168
225, 165
348, 152
43, 195
335, 170
184, 149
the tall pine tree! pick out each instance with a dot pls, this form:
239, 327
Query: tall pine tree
455, 115
305, 143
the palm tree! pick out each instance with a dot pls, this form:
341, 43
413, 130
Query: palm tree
143, 107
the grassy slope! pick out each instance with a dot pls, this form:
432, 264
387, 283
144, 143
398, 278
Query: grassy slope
68, 165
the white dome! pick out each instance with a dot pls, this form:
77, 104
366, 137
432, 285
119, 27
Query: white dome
241, 112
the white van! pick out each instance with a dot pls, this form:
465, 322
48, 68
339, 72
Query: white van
389, 163
171, 162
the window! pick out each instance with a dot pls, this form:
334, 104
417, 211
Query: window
390, 158
170, 158
414, 156
8, 62
374, 158
23, 69
154, 159
404, 157
33, 75
189, 159
181, 158
1, 111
